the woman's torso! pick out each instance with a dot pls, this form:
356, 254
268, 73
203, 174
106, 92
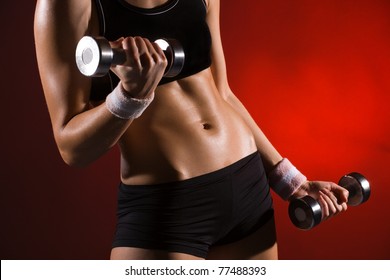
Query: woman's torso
188, 130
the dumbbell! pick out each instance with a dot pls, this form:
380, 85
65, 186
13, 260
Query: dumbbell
305, 213
94, 56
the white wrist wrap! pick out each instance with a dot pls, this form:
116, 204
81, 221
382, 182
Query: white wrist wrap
285, 179
121, 105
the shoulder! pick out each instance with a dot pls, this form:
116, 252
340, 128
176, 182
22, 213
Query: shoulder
70, 18
58, 10
58, 25
53, 5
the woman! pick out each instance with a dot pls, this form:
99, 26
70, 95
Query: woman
193, 161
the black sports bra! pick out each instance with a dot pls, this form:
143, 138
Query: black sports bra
183, 20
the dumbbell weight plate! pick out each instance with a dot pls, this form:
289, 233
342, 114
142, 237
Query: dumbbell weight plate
358, 187
175, 55
94, 56
305, 213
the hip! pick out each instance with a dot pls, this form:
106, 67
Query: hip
189, 216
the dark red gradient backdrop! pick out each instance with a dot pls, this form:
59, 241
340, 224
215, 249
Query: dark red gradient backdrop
314, 75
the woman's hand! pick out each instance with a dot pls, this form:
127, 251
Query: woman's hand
144, 67
332, 197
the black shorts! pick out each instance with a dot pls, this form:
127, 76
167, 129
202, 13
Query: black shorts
192, 215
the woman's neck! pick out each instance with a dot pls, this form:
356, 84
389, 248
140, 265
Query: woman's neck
147, 4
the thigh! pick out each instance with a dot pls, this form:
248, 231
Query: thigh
132, 253
260, 245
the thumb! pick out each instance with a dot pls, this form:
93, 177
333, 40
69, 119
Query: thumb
117, 43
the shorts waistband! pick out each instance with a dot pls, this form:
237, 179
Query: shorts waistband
198, 180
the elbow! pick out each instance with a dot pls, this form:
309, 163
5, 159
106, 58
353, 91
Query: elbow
74, 159
73, 153
74, 156
79, 151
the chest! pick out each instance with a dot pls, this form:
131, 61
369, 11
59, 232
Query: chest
182, 20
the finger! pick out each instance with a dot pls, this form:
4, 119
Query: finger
152, 55
337, 207
132, 52
141, 45
330, 204
158, 55
344, 195
148, 55
336, 204
156, 58
344, 207
340, 192
324, 207
117, 43
149, 45
156, 51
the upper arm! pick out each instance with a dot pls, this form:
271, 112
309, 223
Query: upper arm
218, 65
58, 26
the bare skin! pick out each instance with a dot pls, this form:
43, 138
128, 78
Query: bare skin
194, 126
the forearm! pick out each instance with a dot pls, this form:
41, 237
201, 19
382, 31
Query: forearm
268, 152
89, 135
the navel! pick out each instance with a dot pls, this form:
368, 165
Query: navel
206, 126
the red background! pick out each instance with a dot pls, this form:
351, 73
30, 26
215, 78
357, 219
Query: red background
314, 75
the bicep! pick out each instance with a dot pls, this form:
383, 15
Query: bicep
56, 33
